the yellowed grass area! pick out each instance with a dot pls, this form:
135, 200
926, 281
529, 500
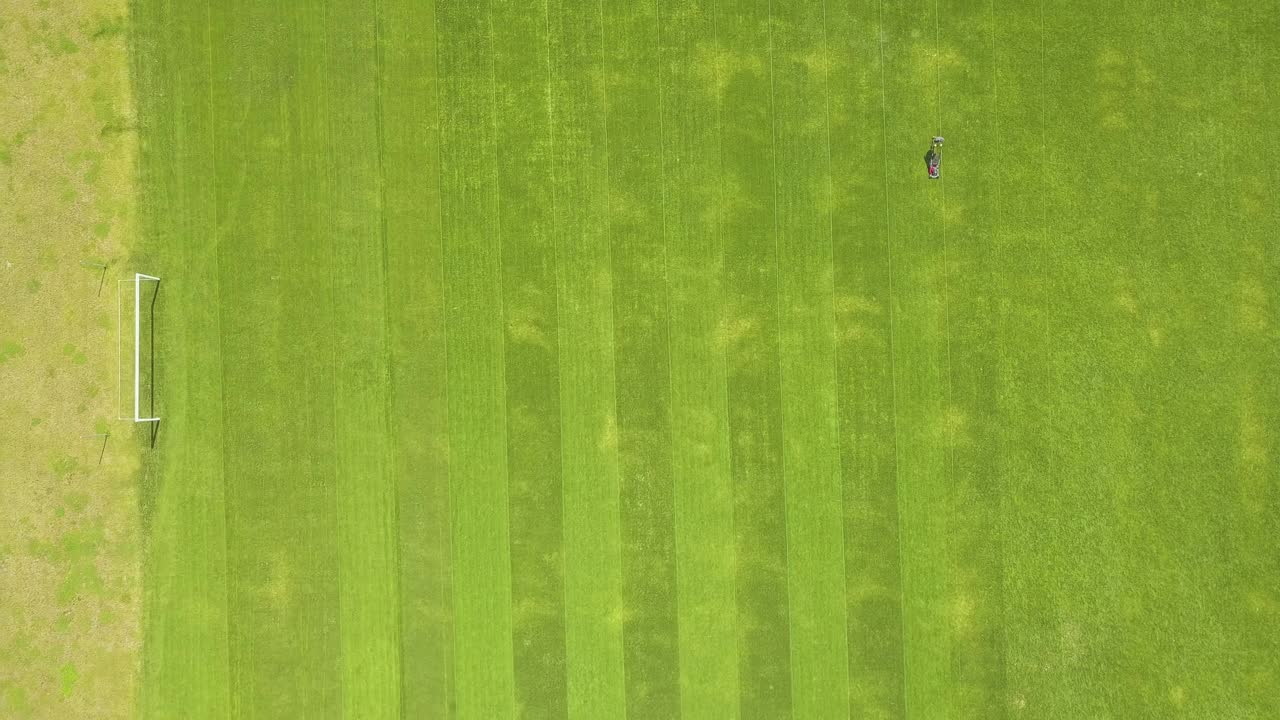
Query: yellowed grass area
69, 531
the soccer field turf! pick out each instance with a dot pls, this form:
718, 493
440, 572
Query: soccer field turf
587, 360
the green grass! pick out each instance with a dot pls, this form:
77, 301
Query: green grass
600, 360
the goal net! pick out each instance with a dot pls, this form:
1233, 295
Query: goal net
135, 311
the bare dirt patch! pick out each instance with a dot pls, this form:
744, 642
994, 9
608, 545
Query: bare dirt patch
69, 544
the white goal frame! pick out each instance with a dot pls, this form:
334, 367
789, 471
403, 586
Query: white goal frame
138, 279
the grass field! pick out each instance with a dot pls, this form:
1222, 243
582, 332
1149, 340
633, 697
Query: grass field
609, 359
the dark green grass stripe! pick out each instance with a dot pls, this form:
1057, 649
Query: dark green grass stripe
277, 370
184, 660
592, 543
863, 359
368, 559
526, 182
974, 601
700, 439
478, 499
751, 347
811, 453
415, 321
640, 306
920, 353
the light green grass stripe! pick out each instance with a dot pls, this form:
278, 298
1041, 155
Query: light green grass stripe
1025, 474
1175, 393
592, 544
184, 658
1116, 514
863, 357
1107, 515
1196, 436
693, 212
415, 333
1096, 584
1248, 669
368, 560
751, 347
811, 453
641, 318
533, 407
920, 357
974, 601
1184, 440
481, 560
1105, 662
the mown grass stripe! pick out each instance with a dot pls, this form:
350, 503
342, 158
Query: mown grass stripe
974, 602
1095, 513
642, 360
811, 455
1091, 651
1189, 430
416, 343
592, 543
1251, 107
1023, 438
283, 600
920, 356
277, 374
704, 528
478, 492
368, 561
861, 294
751, 349
893, 364
527, 185
184, 665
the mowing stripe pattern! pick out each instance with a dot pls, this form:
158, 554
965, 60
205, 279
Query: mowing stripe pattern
642, 352
609, 359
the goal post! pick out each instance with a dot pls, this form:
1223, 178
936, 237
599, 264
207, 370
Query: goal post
134, 410
138, 279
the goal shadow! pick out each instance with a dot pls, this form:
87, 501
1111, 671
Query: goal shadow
147, 381
153, 382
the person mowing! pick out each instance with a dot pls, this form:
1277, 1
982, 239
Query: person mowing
933, 159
